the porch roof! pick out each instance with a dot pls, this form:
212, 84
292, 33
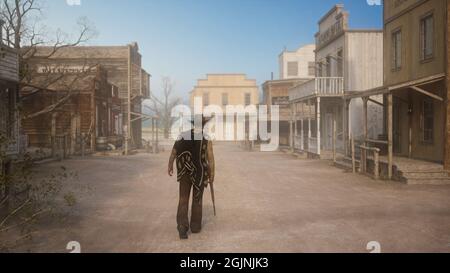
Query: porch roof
381, 90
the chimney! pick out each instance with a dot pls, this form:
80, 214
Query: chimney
272, 76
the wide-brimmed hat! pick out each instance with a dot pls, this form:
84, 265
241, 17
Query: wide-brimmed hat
205, 120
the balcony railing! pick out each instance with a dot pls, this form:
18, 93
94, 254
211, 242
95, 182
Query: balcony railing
325, 86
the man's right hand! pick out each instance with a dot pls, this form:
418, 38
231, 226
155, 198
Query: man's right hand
170, 171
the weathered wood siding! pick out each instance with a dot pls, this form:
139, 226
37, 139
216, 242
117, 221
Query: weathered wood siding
406, 16
9, 64
363, 63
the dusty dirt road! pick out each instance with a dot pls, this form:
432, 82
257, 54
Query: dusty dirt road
266, 202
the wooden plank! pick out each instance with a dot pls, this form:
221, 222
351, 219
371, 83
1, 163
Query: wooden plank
390, 136
429, 94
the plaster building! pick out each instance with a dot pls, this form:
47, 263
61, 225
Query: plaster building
226, 90
298, 64
347, 61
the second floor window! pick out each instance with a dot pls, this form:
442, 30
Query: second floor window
312, 69
206, 99
224, 99
328, 66
426, 37
340, 64
292, 69
248, 99
396, 50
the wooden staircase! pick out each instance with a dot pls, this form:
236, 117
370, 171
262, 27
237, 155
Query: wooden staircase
408, 171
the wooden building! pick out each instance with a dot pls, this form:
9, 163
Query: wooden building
276, 92
11, 141
416, 140
347, 61
123, 65
9, 87
89, 114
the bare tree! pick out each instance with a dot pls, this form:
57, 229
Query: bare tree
25, 31
163, 106
25, 198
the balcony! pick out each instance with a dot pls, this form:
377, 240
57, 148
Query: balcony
318, 87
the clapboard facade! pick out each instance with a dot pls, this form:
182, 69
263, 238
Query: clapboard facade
90, 114
123, 65
347, 61
415, 50
276, 92
9, 118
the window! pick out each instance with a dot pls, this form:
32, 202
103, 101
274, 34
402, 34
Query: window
320, 69
248, 99
311, 69
428, 121
292, 69
340, 64
396, 49
426, 37
328, 66
206, 99
225, 99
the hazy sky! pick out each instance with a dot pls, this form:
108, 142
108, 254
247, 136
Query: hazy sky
186, 39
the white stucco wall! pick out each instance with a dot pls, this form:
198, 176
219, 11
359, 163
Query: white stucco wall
304, 55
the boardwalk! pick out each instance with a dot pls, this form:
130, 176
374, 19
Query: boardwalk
266, 202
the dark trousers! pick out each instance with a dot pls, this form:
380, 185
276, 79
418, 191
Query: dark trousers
183, 209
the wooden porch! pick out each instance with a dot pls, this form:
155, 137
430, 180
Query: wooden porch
307, 100
377, 157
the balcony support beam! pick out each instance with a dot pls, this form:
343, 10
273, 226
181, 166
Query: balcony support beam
302, 145
309, 125
318, 127
390, 119
345, 123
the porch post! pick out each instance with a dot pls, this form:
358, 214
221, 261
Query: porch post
153, 136
365, 120
302, 145
295, 125
318, 127
157, 135
291, 129
390, 135
53, 134
345, 125
309, 126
